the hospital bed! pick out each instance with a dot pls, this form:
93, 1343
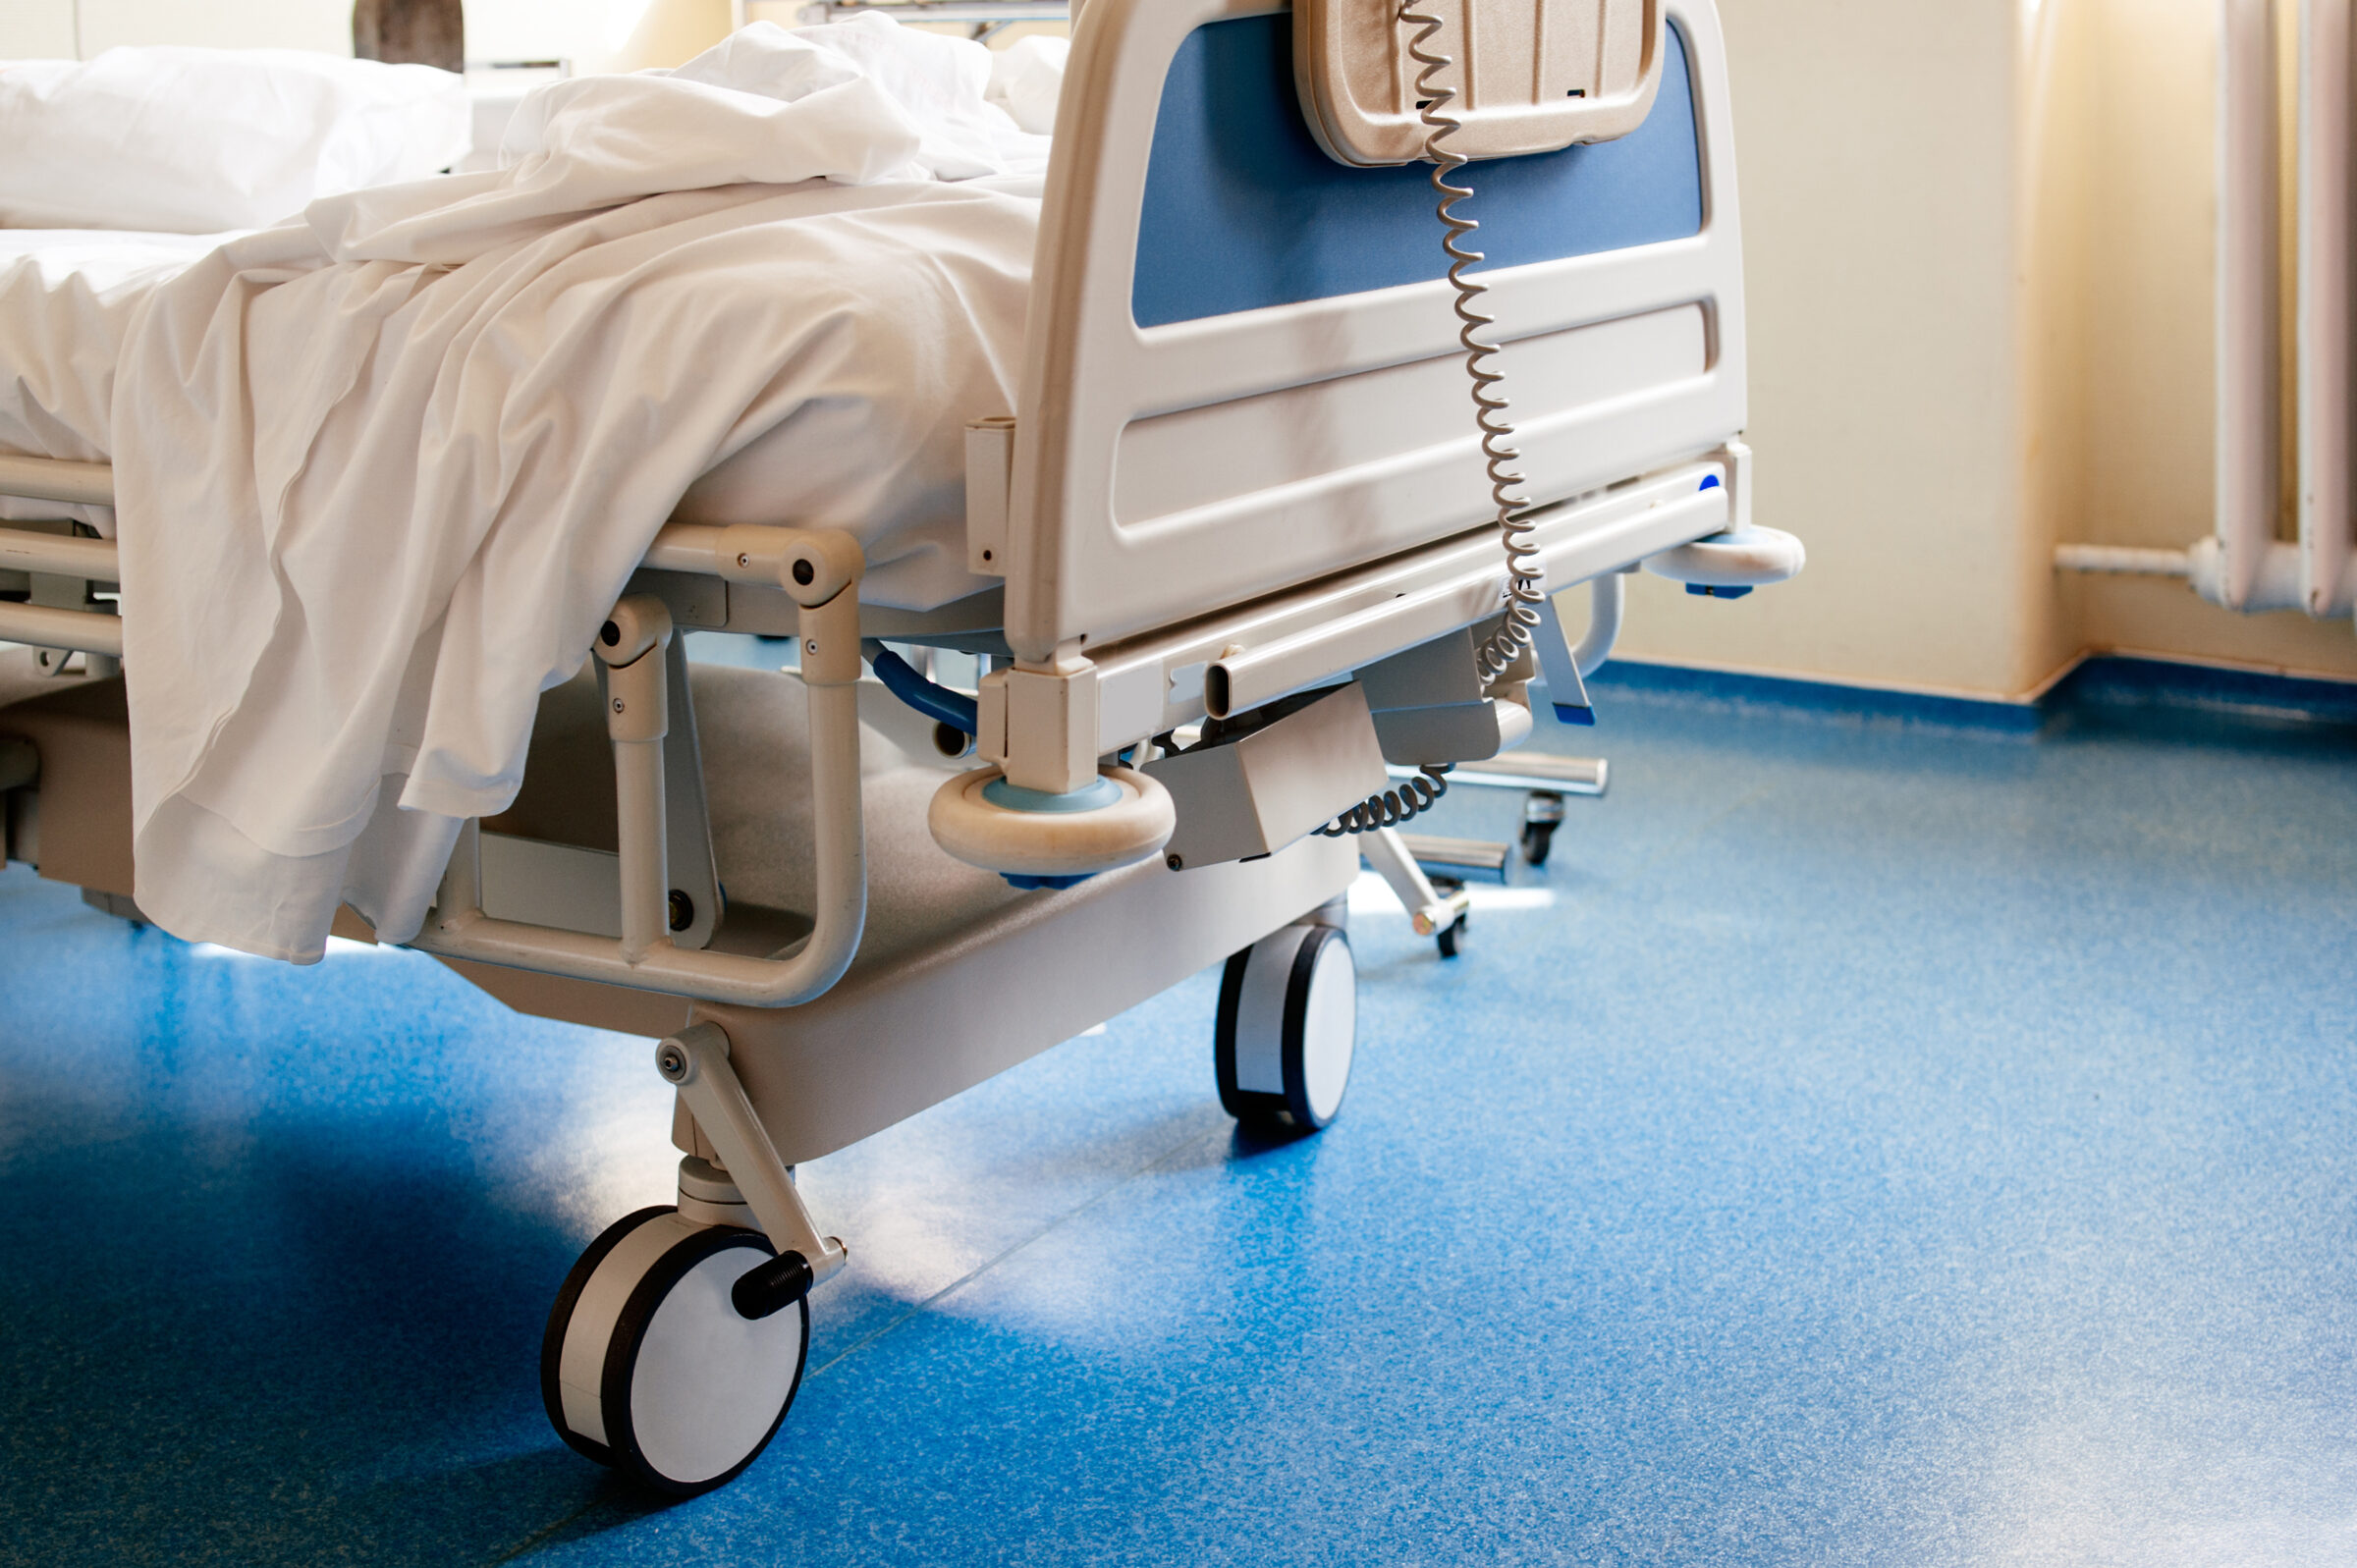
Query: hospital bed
1239, 490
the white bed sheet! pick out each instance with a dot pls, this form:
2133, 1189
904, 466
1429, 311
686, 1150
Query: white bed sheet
381, 471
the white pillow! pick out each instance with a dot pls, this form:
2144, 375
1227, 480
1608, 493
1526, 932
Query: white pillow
1027, 77
199, 140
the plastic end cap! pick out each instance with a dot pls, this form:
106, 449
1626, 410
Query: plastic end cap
772, 1286
1575, 716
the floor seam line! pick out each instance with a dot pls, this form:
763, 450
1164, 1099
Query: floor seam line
979, 1270
533, 1539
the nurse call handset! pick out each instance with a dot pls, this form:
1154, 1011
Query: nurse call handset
1381, 82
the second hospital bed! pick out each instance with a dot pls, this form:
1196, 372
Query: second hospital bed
1235, 533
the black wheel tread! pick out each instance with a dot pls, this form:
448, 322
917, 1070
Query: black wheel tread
630, 1328
560, 1318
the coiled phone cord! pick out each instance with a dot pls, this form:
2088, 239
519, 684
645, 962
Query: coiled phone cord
1526, 571
1393, 807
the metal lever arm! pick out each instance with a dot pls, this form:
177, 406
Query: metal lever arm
695, 1061
1565, 666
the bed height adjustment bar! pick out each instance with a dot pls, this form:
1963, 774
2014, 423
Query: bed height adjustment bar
820, 570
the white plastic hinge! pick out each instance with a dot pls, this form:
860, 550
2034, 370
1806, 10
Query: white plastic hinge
990, 717
989, 480
1738, 485
1129, 705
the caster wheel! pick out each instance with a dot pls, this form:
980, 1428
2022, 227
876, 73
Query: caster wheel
1542, 814
1452, 939
1288, 1021
648, 1367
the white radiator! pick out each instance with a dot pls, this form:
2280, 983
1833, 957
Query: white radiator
2244, 565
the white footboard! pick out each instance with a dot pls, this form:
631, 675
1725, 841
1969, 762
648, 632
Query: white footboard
1227, 395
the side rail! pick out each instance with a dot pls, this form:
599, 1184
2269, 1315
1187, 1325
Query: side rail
60, 575
818, 570
1242, 373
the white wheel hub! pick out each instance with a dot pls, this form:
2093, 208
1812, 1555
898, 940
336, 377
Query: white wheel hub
648, 1366
1288, 1027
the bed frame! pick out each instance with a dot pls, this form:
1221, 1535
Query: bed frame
1243, 465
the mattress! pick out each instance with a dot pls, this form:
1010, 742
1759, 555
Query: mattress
65, 302
903, 350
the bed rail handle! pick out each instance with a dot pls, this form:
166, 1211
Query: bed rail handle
56, 624
65, 554
55, 480
74, 630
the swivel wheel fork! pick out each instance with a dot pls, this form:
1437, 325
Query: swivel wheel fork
695, 1062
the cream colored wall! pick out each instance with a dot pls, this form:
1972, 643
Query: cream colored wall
321, 24
46, 29
595, 34
37, 29
1979, 237
1876, 147
2055, 198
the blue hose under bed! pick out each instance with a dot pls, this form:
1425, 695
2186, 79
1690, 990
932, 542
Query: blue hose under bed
935, 702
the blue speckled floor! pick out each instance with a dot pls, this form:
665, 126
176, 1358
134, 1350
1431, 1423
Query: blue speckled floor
1869, 1144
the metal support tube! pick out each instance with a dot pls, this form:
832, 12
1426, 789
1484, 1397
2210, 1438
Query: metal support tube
1391, 859
641, 831
2324, 361
1607, 596
2122, 559
2249, 359
633, 645
822, 568
687, 547
42, 626
64, 553
58, 555
54, 480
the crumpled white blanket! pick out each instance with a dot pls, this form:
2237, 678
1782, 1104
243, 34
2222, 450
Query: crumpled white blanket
380, 474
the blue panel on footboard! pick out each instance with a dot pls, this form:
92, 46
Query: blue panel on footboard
1244, 209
